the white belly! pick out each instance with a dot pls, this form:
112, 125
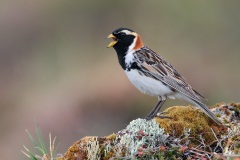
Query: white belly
148, 85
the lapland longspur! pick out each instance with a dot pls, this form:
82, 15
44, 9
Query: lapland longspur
151, 74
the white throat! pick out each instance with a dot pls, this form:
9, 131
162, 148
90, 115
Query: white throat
129, 55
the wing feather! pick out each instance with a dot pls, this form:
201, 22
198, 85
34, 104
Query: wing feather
154, 65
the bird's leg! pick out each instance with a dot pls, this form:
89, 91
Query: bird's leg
153, 113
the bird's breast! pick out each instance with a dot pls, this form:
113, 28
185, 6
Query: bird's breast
147, 84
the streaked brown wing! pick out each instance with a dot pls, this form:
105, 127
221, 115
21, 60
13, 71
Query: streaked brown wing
155, 66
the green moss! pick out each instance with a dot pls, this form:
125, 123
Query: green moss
188, 117
187, 127
108, 155
236, 107
111, 137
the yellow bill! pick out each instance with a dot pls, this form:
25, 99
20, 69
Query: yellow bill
113, 42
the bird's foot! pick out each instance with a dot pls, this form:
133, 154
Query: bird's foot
159, 115
162, 115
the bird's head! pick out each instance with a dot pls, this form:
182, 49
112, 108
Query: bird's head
124, 40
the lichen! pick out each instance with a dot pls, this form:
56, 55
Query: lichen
141, 133
93, 149
186, 133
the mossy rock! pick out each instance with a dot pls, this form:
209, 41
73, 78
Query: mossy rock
188, 117
80, 149
160, 134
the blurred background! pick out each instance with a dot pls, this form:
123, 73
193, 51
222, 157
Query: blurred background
55, 67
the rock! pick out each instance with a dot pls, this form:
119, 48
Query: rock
184, 133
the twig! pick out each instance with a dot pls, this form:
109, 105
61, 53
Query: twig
219, 142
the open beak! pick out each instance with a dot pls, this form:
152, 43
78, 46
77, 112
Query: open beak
113, 42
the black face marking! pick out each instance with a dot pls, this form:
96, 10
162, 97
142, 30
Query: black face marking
123, 42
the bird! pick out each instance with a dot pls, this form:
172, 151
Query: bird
151, 73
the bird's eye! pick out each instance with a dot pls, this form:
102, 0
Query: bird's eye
122, 35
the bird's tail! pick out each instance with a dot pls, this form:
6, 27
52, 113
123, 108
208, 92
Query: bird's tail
207, 111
